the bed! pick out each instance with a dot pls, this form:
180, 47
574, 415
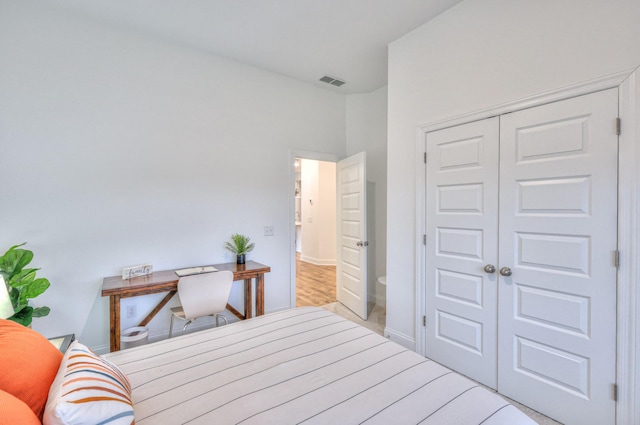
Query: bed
305, 365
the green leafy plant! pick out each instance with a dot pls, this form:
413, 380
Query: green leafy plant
22, 284
239, 244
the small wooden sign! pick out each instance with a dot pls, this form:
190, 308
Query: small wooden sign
135, 271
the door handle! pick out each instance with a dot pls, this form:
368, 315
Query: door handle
360, 243
505, 271
490, 268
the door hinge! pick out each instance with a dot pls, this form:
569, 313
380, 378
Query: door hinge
618, 126
615, 392
616, 258
425, 157
424, 239
424, 320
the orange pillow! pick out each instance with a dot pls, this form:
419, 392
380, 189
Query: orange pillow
28, 365
14, 411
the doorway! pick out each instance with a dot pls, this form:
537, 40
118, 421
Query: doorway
315, 232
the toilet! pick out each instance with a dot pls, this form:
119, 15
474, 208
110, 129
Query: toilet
382, 281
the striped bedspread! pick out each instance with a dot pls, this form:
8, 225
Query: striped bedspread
305, 365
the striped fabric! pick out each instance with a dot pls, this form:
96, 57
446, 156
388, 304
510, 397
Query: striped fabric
88, 389
307, 366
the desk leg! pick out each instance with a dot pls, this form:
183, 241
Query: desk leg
114, 316
155, 311
260, 295
248, 299
235, 312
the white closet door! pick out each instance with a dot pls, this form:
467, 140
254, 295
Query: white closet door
558, 225
462, 223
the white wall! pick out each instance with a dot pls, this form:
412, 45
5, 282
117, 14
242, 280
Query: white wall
318, 212
326, 212
478, 54
367, 131
116, 149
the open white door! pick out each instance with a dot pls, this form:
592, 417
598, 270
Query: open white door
351, 271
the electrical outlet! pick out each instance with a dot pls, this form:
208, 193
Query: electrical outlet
268, 230
132, 311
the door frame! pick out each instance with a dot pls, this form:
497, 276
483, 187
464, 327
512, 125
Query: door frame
628, 296
293, 154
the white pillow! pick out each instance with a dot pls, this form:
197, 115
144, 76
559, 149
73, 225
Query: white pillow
88, 389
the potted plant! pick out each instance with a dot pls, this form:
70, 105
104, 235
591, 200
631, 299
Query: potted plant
22, 284
239, 245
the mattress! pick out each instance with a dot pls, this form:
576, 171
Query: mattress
305, 365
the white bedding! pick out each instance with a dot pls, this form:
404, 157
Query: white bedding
305, 365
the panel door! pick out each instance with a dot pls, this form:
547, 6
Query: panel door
558, 226
462, 233
351, 270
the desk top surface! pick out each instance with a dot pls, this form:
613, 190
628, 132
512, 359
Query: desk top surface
167, 279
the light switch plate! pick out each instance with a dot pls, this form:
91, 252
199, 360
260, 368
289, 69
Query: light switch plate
135, 271
268, 231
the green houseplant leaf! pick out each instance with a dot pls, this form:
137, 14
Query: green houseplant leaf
14, 260
239, 244
22, 284
24, 316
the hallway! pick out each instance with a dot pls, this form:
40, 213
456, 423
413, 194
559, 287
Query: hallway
315, 285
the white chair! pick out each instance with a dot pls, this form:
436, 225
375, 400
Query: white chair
202, 295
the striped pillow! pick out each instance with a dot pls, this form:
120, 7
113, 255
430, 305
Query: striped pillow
88, 389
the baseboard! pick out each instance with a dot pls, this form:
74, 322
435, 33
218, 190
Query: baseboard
204, 324
277, 309
317, 261
199, 325
376, 299
101, 349
400, 338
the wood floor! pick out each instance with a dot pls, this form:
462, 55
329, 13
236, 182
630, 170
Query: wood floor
315, 285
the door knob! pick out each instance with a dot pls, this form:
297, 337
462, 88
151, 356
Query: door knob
505, 271
490, 268
359, 243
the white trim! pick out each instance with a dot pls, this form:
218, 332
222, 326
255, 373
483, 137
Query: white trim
380, 295
318, 261
376, 299
405, 340
628, 331
377, 293
293, 154
200, 325
628, 354
420, 248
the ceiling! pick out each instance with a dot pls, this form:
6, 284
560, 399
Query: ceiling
302, 39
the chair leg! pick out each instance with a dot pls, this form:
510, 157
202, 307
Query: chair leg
171, 326
218, 315
184, 330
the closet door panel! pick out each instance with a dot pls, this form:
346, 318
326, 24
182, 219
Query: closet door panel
462, 194
558, 226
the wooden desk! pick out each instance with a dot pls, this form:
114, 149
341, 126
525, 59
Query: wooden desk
167, 281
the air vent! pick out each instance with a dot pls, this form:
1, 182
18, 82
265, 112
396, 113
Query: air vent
331, 80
